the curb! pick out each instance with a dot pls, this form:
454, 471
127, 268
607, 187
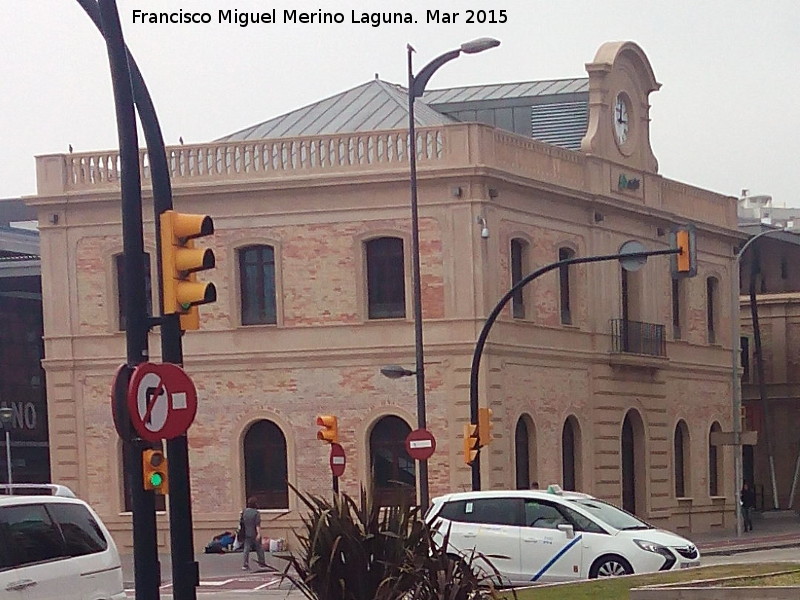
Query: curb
767, 545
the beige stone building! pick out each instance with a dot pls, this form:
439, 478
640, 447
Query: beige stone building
602, 380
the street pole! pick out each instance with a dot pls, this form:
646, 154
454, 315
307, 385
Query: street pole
490, 320
416, 87
7, 418
185, 570
8, 461
424, 495
736, 382
146, 565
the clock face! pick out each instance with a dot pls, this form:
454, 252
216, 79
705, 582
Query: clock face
621, 119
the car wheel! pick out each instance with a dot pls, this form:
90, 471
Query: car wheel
610, 566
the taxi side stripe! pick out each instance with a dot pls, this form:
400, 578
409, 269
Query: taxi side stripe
552, 561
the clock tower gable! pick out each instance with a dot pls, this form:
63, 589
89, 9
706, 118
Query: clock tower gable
620, 82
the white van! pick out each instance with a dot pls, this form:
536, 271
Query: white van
56, 548
542, 536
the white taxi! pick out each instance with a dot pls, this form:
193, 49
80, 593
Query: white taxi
542, 536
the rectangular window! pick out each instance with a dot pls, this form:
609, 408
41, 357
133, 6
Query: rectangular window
744, 357
257, 285
120, 265
711, 315
386, 280
518, 259
676, 309
563, 283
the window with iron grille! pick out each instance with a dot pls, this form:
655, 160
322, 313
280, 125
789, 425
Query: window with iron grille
563, 284
519, 260
119, 261
386, 280
257, 285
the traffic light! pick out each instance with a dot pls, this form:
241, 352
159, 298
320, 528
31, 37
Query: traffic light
484, 426
684, 263
470, 443
330, 429
154, 467
180, 261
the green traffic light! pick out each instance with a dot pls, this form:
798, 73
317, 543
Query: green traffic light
156, 479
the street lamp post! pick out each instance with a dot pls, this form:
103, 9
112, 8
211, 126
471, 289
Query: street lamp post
736, 382
6, 417
416, 87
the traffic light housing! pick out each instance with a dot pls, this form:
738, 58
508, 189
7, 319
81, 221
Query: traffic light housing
684, 263
154, 471
180, 262
470, 443
330, 429
484, 426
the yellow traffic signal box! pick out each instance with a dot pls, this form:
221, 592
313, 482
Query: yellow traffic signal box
484, 426
181, 261
470, 443
330, 429
154, 467
684, 263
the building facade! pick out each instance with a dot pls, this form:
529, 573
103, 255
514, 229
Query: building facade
22, 386
599, 379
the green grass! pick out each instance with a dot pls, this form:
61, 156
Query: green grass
770, 580
618, 588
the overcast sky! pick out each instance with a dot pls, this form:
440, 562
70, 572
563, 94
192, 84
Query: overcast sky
726, 118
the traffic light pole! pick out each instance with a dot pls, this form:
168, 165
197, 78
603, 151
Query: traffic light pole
146, 565
185, 573
487, 327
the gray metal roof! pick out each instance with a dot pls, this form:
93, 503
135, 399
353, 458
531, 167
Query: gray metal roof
560, 123
371, 106
557, 108
505, 91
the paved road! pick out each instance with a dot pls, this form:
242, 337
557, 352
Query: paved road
773, 555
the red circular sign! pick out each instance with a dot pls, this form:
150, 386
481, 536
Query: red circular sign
119, 401
162, 401
420, 444
338, 459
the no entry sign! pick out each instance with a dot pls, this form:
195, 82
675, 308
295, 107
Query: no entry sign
162, 401
338, 460
420, 444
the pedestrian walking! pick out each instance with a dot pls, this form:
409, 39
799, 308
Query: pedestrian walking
250, 532
748, 499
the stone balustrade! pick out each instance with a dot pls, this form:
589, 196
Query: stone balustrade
460, 145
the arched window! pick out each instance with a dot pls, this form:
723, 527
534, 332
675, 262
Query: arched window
119, 263
634, 473
563, 285
257, 284
681, 459
265, 470
714, 463
386, 278
571, 454
393, 470
712, 308
525, 453
519, 268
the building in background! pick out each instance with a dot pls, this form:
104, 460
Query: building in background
22, 384
600, 379
769, 270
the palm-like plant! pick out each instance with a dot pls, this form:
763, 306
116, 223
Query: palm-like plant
361, 551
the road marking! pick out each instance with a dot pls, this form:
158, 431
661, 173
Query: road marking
269, 583
217, 583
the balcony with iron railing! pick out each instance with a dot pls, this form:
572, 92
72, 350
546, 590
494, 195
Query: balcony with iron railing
636, 337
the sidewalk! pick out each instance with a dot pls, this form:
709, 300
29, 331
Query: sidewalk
771, 529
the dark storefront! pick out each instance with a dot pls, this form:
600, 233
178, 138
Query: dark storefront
21, 376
